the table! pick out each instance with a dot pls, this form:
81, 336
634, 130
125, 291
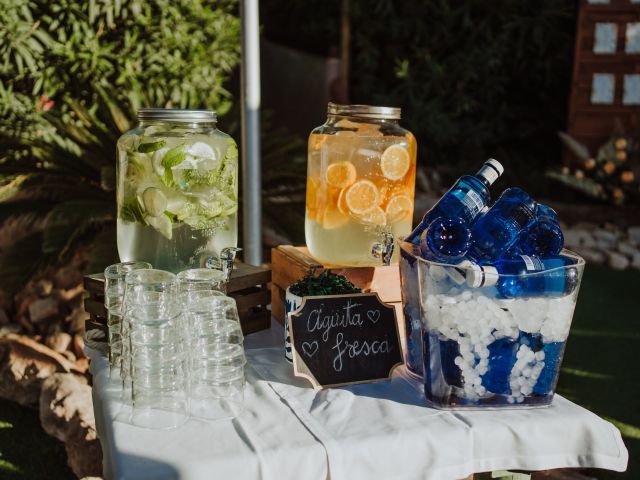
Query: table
382, 430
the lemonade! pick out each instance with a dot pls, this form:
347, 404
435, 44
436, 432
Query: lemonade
360, 184
177, 190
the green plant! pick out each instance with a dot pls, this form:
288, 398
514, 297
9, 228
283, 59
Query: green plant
327, 283
474, 79
72, 73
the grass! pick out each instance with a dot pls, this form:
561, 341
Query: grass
26, 451
600, 369
600, 372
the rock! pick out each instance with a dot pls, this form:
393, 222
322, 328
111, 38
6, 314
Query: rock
76, 320
4, 318
627, 249
66, 413
24, 365
43, 287
67, 277
78, 345
58, 341
617, 260
606, 240
69, 355
593, 256
43, 309
588, 226
635, 261
634, 235
579, 239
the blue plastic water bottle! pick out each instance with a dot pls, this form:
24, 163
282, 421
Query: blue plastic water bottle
513, 277
544, 238
446, 239
498, 230
468, 196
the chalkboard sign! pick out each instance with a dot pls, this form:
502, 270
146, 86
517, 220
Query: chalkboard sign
344, 339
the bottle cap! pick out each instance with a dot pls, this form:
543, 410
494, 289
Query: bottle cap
481, 276
491, 170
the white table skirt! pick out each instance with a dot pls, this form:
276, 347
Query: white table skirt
370, 431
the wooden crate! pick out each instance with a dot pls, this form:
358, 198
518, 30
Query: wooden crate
290, 264
248, 286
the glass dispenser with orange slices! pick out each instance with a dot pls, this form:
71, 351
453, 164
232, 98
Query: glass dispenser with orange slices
360, 183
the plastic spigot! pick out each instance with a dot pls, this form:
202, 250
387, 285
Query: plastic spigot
224, 262
384, 249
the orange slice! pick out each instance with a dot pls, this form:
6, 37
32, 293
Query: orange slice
362, 197
342, 201
333, 218
395, 162
399, 208
375, 216
340, 174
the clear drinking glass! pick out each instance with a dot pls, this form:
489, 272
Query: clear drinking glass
158, 366
143, 288
198, 283
480, 348
220, 306
114, 287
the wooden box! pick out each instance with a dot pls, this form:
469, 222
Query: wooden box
291, 264
248, 285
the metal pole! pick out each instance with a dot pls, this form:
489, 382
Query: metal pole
250, 96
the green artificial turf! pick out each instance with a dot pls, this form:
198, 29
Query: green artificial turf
26, 451
600, 370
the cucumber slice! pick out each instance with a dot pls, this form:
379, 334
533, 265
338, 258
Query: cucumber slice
202, 150
162, 224
155, 202
156, 160
149, 147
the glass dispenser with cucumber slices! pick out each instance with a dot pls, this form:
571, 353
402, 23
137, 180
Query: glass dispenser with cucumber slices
177, 190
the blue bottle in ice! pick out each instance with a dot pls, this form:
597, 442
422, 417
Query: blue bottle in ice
497, 231
446, 239
544, 237
526, 276
465, 199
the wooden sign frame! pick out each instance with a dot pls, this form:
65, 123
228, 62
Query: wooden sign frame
299, 366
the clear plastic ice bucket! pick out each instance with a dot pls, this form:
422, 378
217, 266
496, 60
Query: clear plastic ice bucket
474, 348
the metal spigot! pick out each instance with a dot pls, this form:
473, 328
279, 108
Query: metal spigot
224, 262
384, 249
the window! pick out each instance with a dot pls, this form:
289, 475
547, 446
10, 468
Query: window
632, 44
631, 92
602, 88
606, 38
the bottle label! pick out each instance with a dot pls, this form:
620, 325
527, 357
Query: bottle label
532, 263
470, 200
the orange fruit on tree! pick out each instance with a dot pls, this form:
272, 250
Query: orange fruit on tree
362, 197
398, 208
395, 162
340, 174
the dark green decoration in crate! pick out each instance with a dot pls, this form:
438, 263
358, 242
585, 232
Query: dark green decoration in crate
611, 175
327, 283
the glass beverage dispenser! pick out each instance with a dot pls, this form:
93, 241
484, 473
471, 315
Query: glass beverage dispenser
177, 190
360, 184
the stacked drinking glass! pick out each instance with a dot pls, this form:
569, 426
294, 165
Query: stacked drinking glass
178, 344
216, 360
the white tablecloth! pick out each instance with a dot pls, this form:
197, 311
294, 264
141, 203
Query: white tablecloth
370, 431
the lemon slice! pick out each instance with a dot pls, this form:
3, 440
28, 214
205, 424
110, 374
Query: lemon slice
340, 174
362, 197
375, 216
398, 208
395, 162
162, 224
333, 218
